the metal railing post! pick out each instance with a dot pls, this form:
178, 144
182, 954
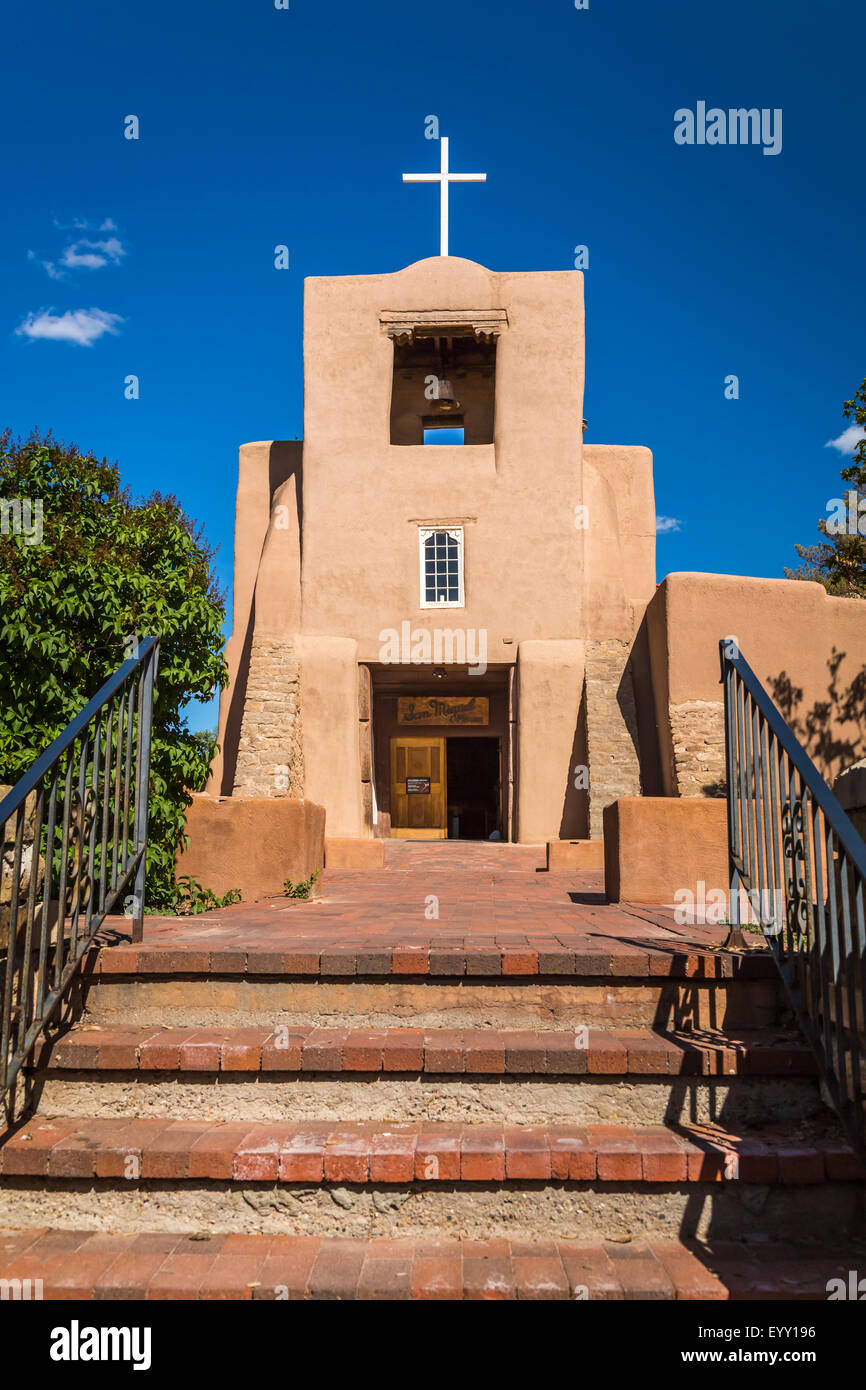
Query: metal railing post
815, 924
735, 935
142, 788
59, 895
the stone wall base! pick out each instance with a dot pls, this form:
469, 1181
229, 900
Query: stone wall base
611, 729
270, 759
698, 739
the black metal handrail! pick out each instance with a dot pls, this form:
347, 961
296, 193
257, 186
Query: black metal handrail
73, 836
802, 866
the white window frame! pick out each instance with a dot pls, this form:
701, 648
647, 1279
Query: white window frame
424, 534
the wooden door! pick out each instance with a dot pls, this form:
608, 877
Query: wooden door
419, 797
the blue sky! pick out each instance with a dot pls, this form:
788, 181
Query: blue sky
261, 127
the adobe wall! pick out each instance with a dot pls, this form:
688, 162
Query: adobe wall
619, 582
550, 741
329, 695
560, 549
620, 521
654, 847
807, 649
267, 522
252, 844
365, 498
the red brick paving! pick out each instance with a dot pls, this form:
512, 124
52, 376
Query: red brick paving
487, 1051
88, 1265
313, 1151
496, 916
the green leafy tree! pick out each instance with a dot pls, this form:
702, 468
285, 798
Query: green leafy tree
82, 566
838, 560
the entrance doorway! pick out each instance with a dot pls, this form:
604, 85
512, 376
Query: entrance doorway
418, 788
474, 788
445, 788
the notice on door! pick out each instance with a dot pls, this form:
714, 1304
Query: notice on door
444, 709
418, 784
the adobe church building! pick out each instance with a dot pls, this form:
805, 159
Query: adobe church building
465, 638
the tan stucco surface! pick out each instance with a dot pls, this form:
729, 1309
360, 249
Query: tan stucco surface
788, 632
364, 497
559, 567
252, 844
655, 847
559, 539
329, 698
354, 854
574, 856
620, 559
550, 682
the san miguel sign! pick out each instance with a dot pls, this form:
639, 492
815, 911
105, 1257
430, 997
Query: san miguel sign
445, 709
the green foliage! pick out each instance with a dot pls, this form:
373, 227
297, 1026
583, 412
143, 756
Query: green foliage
104, 567
855, 410
302, 889
191, 898
838, 561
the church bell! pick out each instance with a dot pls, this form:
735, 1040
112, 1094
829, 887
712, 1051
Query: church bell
446, 401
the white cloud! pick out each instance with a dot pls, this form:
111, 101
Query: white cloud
82, 326
666, 523
83, 253
48, 266
91, 255
848, 439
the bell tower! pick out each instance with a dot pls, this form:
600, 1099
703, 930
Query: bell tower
445, 549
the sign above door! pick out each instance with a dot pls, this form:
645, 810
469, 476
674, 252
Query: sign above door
443, 709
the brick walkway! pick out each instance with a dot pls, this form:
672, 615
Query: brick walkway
87, 1265
481, 938
492, 909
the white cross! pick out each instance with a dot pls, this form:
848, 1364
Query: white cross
443, 178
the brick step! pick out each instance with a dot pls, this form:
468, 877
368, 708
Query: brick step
245, 989
634, 1052
427, 1003
564, 954
462, 856
346, 1152
80, 1264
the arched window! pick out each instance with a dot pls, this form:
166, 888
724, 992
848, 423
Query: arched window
441, 567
